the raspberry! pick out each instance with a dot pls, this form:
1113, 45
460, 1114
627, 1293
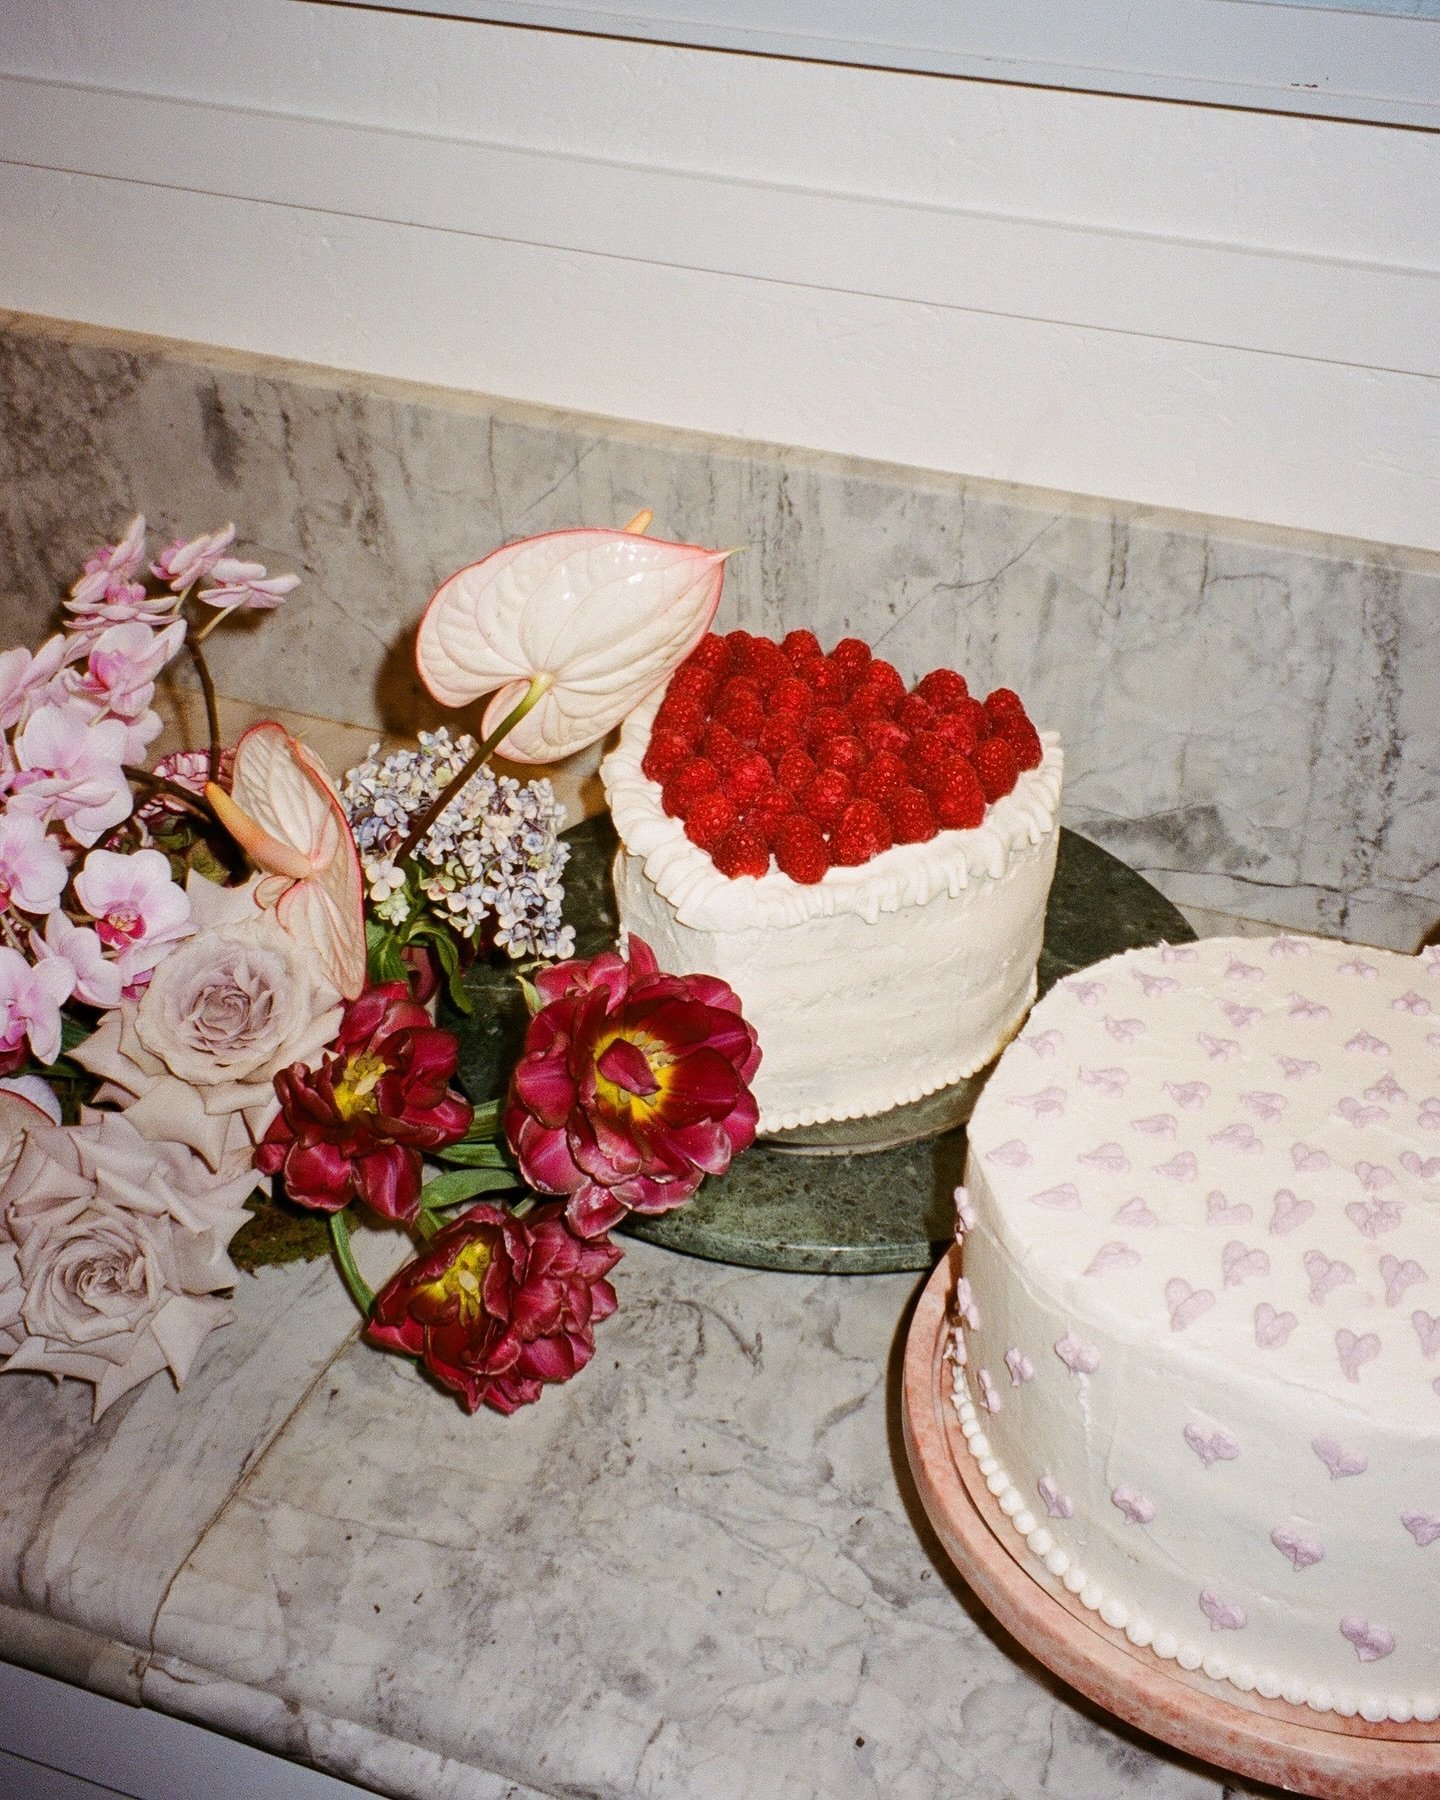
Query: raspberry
997, 767
665, 749
863, 832
743, 715
738, 644
686, 782
943, 689
958, 798
676, 713
794, 771
881, 775
768, 665
740, 852
1024, 740
721, 745
957, 731
738, 690
852, 657
884, 734
781, 732
801, 647
911, 819
710, 653
826, 797
1001, 702
771, 806
691, 682
846, 753
711, 817
914, 713
827, 682
746, 777
791, 695
868, 704
886, 681
800, 850
827, 722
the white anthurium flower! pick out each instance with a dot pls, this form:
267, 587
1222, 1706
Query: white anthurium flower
585, 623
284, 813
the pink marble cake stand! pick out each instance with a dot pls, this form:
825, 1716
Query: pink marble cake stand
1312, 1753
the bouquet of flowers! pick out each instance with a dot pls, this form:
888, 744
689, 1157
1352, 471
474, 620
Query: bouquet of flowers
220, 973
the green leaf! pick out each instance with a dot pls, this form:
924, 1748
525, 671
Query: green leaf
72, 1033
473, 1156
463, 1184
484, 1125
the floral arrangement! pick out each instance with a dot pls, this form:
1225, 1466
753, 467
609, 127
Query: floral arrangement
219, 974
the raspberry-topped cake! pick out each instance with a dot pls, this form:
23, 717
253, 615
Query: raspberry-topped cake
1199, 1313
866, 863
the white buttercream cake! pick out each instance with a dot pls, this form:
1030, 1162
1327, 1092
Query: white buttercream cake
1198, 1344
873, 986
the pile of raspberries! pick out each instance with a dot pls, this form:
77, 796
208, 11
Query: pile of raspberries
766, 749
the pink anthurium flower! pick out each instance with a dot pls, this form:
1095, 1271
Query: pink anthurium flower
286, 816
585, 623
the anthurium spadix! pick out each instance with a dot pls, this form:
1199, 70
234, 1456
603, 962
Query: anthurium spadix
584, 623
286, 816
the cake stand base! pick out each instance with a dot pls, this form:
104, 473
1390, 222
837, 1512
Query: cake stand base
1319, 1754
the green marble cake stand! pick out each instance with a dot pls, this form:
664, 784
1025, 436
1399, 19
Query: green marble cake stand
869, 1197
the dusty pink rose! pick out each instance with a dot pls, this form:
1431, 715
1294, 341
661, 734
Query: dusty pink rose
632, 1086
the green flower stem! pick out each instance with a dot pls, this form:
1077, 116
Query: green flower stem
360, 1290
212, 705
536, 691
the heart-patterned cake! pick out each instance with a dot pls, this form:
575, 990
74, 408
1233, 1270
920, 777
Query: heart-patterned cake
865, 861
1232, 1322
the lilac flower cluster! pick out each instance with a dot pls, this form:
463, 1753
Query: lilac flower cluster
491, 862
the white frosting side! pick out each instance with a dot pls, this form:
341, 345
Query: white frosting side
1202, 1309
875, 986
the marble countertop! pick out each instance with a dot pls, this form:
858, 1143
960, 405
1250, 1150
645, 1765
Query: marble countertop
699, 1569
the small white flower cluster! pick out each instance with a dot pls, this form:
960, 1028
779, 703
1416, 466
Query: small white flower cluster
492, 855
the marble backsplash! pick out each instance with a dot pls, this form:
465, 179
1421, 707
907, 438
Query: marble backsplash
1251, 716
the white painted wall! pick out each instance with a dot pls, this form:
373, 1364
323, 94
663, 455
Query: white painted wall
1236, 313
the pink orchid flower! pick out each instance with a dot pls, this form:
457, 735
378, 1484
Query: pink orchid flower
119, 674
583, 624
22, 676
31, 995
96, 979
187, 561
284, 813
33, 873
247, 585
70, 770
137, 908
112, 565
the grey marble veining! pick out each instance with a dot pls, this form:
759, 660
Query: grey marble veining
1251, 717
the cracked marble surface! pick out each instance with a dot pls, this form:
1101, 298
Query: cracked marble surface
698, 1569
1251, 717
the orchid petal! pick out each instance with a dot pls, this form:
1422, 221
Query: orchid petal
600, 617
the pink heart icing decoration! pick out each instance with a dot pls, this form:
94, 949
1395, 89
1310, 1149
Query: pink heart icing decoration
1399, 1277
1296, 1067
1064, 1198
1236, 970
1048, 1103
1020, 1366
1078, 1358
1136, 1212
989, 1393
1366, 971
1386, 1088
1302, 1008
1239, 1263
1413, 1003
1374, 1177
1043, 1043
1124, 1031
1240, 1016
1360, 1116
1290, 1212
1221, 1614
1429, 1116
1272, 1329
1423, 1168
1181, 1167
964, 1303
1375, 1218
1354, 1352
1152, 986
1289, 946
1220, 1211
1011, 1155
1339, 1461
1326, 1275
1109, 1157
1427, 1329
1088, 993
1186, 1303
1423, 1527
1238, 1137
1265, 1106
1308, 1161
1188, 1094
1058, 1505
1211, 1447
1302, 1550
1112, 1256
1137, 1507
1156, 1125
1179, 953
1365, 1043
1111, 1082
1218, 1049
1372, 1642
